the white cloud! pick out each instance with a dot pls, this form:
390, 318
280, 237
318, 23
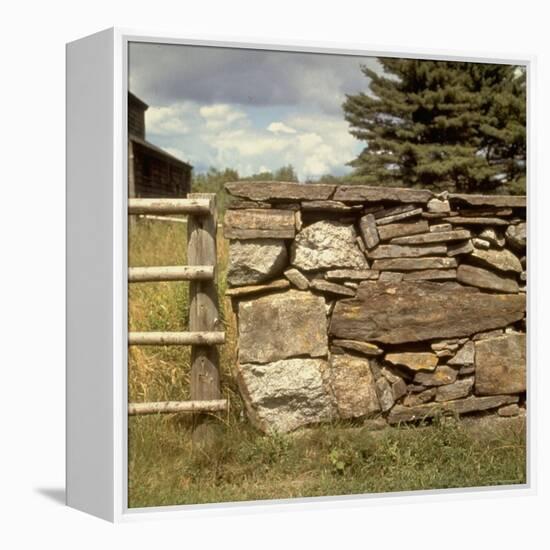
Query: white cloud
280, 128
222, 135
220, 115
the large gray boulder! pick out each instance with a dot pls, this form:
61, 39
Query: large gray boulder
284, 395
282, 325
255, 261
327, 245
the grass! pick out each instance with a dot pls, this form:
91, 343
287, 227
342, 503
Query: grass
242, 464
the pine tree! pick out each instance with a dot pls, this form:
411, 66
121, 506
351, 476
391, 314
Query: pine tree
448, 125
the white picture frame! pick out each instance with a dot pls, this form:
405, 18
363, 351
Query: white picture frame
96, 478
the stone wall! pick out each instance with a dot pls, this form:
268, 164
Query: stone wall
384, 304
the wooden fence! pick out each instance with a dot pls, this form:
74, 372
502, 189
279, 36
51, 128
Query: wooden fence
203, 334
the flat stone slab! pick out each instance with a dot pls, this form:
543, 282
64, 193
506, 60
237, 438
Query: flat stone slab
282, 325
242, 291
394, 313
414, 361
255, 261
331, 288
353, 385
283, 395
482, 278
365, 348
277, 190
412, 264
501, 260
400, 413
386, 232
369, 231
327, 245
329, 206
501, 365
398, 217
456, 390
436, 237
498, 201
383, 251
255, 224
431, 275
367, 193
466, 220
440, 376
352, 274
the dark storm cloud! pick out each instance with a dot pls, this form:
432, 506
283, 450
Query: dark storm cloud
164, 74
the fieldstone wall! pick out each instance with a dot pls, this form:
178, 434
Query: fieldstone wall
360, 302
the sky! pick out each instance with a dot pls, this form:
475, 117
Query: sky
251, 110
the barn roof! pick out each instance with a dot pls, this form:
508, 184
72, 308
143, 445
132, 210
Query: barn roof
158, 152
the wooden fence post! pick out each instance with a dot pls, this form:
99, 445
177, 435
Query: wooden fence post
203, 315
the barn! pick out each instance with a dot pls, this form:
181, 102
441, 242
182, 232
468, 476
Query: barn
152, 172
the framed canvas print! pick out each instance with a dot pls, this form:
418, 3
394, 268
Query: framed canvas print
295, 274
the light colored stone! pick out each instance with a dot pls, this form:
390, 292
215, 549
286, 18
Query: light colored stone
352, 274
246, 291
465, 356
327, 245
437, 228
465, 220
387, 232
482, 278
431, 275
509, 410
487, 334
385, 394
398, 217
414, 361
297, 279
284, 395
456, 390
400, 251
260, 223
255, 261
501, 365
441, 375
394, 313
437, 237
437, 205
298, 220
516, 236
369, 231
501, 260
331, 288
354, 386
370, 350
490, 235
400, 413
413, 264
282, 325
390, 277
481, 243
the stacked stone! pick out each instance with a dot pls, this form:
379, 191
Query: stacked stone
362, 302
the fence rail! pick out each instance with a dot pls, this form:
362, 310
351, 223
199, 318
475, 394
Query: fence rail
171, 407
203, 335
190, 206
171, 273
